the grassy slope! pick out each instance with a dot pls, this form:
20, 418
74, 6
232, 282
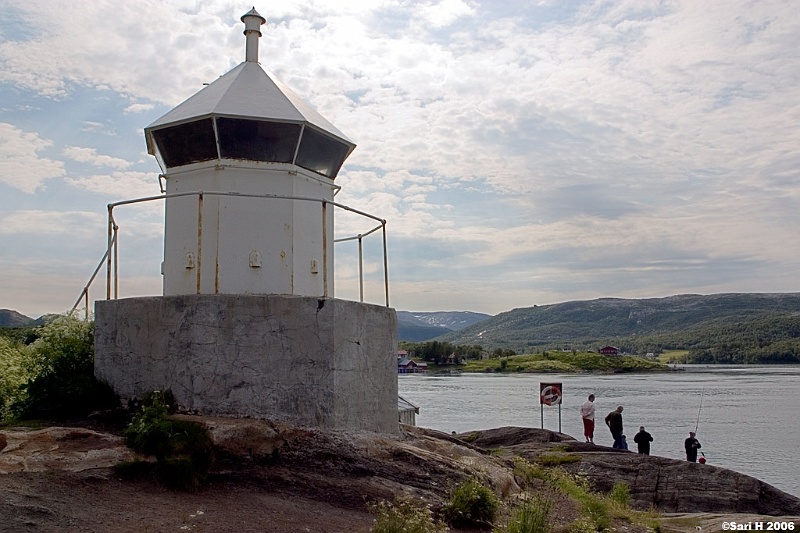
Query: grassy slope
565, 362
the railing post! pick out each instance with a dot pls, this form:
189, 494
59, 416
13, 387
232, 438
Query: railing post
324, 249
361, 268
198, 262
115, 244
108, 253
385, 264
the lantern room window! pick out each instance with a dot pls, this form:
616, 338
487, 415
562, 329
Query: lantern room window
320, 153
250, 140
186, 143
257, 140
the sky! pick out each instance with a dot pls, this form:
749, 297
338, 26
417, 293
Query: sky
523, 153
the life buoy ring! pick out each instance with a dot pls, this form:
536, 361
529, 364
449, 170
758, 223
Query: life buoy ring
551, 395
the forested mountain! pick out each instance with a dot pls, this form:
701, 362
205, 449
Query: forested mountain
715, 328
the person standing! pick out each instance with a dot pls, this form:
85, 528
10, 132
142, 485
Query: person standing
691, 444
643, 440
614, 423
587, 414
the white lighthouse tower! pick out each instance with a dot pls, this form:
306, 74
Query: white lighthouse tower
247, 324
246, 134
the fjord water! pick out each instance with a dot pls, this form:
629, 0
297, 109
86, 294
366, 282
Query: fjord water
747, 417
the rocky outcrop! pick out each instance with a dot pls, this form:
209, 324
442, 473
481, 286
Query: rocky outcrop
429, 462
357, 467
267, 471
668, 484
60, 448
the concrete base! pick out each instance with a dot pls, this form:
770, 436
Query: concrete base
316, 362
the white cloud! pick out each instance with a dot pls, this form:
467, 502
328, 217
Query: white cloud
119, 185
95, 127
97, 49
21, 167
138, 108
90, 155
444, 13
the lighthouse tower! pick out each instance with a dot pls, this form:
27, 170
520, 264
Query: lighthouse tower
244, 138
247, 324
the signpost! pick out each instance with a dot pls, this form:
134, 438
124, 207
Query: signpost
550, 394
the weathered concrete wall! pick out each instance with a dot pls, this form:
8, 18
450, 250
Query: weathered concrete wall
318, 362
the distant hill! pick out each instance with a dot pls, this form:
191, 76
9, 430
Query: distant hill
12, 319
421, 326
676, 319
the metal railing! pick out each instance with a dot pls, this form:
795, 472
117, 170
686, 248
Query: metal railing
85, 292
111, 256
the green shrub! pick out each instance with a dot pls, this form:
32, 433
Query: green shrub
183, 449
530, 516
59, 366
150, 432
620, 493
596, 509
404, 516
471, 504
13, 374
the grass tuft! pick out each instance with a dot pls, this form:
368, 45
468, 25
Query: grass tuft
404, 515
471, 504
532, 515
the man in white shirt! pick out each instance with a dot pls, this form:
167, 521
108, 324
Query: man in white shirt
587, 414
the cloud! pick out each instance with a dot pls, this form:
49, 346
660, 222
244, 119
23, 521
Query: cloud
21, 167
93, 50
138, 108
92, 126
445, 13
119, 185
90, 155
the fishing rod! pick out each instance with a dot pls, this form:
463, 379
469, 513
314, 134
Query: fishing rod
699, 409
702, 459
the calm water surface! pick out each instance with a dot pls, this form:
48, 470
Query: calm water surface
746, 416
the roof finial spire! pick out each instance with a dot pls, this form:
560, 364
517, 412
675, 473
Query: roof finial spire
252, 23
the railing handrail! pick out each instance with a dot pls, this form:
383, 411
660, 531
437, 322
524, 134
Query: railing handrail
111, 259
85, 291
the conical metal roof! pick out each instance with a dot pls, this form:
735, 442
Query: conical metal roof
247, 91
